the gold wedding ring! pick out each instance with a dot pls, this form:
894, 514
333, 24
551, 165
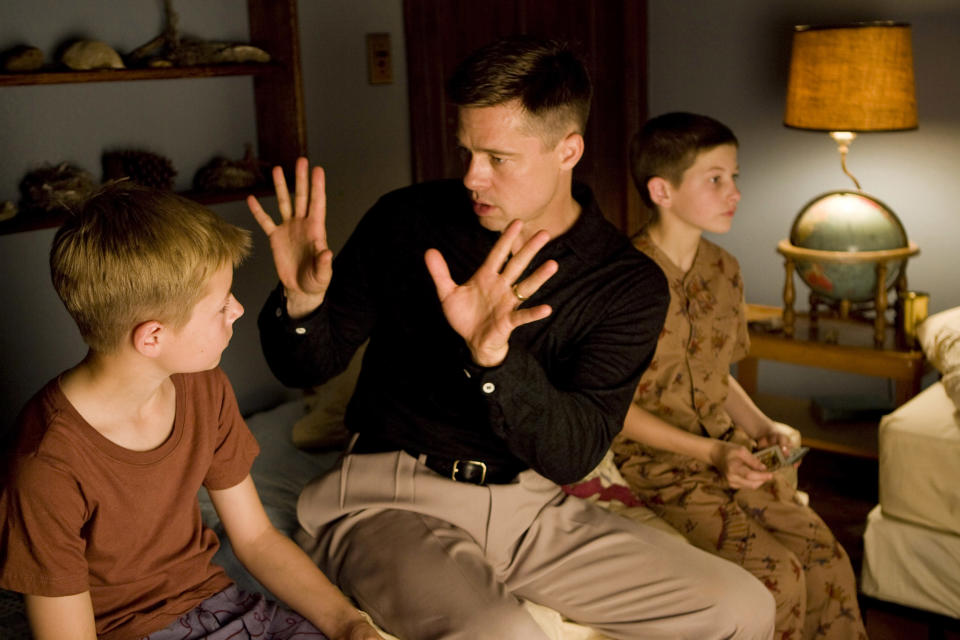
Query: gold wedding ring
517, 293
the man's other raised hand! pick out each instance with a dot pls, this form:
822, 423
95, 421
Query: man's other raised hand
302, 258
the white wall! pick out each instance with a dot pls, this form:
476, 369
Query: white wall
730, 60
358, 131
726, 59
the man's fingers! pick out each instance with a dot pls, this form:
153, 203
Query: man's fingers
318, 195
302, 192
323, 258
532, 283
526, 316
261, 216
522, 258
440, 273
501, 248
283, 194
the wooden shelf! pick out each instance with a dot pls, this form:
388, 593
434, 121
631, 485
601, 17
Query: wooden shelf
835, 344
277, 95
126, 75
36, 220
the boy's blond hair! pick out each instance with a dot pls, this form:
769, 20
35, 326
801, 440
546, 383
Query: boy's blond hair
132, 254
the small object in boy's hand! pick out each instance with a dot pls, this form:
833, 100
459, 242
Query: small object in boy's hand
795, 455
771, 457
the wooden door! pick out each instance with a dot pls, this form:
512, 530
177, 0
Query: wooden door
610, 35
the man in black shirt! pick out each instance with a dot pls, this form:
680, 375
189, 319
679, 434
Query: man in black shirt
508, 323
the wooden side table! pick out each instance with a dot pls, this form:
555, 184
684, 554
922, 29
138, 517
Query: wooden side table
834, 344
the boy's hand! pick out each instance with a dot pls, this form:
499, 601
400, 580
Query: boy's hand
741, 468
299, 243
778, 433
361, 630
483, 310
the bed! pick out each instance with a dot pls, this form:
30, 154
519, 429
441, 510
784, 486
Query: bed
912, 539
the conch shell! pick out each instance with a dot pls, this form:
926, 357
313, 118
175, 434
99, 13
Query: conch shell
85, 55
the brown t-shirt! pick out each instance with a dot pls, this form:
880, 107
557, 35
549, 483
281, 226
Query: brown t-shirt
704, 333
81, 512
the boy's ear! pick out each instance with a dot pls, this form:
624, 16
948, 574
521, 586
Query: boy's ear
570, 150
148, 338
659, 190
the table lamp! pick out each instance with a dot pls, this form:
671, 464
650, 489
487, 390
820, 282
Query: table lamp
847, 246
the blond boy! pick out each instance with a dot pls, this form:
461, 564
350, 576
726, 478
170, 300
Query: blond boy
102, 530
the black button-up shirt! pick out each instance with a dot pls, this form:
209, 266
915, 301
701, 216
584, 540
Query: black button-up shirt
561, 394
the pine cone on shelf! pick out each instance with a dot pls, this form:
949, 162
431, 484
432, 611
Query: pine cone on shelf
143, 167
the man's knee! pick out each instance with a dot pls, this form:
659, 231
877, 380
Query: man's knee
422, 578
745, 607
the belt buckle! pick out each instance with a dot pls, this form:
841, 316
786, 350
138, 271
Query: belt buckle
456, 469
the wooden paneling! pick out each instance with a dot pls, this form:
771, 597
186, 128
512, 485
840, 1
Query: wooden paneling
611, 37
281, 122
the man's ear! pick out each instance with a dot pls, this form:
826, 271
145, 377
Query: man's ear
148, 337
659, 190
570, 150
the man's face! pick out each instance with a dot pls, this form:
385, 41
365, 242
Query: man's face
510, 172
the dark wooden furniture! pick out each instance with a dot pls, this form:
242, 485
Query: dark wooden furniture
611, 37
837, 345
277, 93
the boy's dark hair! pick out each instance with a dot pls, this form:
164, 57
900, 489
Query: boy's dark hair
549, 81
668, 145
132, 254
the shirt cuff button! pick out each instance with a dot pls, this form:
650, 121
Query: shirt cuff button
489, 387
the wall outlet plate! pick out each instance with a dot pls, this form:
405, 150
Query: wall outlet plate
379, 58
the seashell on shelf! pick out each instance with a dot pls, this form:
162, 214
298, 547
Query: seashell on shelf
223, 174
22, 58
8, 210
86, 55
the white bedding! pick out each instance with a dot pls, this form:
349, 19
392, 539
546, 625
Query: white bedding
911, 565
919, 452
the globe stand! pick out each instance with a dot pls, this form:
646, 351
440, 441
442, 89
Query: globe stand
845, 308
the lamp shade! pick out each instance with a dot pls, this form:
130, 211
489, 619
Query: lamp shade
856, 77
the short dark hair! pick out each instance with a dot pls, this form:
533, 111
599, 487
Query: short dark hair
548, 79
668, 145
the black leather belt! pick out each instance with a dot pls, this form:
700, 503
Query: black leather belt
459, 470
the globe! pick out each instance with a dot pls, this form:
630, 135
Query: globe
847, 221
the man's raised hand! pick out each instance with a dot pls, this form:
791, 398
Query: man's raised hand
299, 242
484, 309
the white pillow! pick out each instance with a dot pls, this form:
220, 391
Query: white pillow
939, 337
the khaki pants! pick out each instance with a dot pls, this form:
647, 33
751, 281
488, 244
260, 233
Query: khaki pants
429, 558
